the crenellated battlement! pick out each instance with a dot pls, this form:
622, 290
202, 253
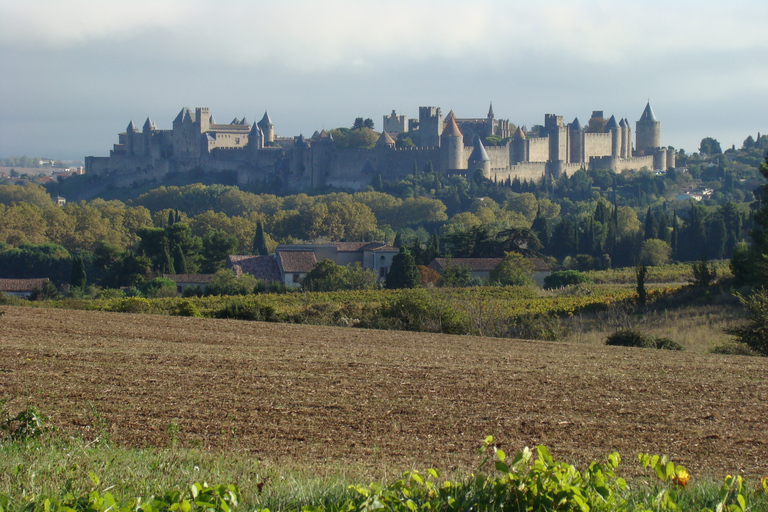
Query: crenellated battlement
197, 141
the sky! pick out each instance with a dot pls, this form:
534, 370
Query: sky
74, 73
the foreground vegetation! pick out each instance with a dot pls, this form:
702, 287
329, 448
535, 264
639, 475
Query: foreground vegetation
54, 474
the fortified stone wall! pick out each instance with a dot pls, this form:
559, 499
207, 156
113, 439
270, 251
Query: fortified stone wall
523, 171
499, 156
538, 149
597, 145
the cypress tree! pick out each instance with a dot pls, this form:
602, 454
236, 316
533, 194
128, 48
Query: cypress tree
260, 241
403, 273
166, 262
171, 218
429, 169
398, 240
651, 226
77, 278
179, 260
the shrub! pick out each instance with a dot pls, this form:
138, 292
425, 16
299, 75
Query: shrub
225, 282
187, 308
133, 305
704, 274
27, 424
563, 278
420, 310
633, 338
238, 309
159, 287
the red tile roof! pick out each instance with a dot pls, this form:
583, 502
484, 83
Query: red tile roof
21, 285
260, 267
297, 261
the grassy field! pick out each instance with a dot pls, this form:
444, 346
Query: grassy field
293, 414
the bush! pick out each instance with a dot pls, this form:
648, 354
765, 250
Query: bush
632, 338
225, 282
420, 310
239, 309
704, 273
563, 278
187, 308
133, 305
159, 287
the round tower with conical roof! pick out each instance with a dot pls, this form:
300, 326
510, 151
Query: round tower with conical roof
452, 146
268, 128
479, 159
648, 132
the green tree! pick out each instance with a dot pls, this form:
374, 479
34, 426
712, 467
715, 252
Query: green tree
77, 279
225, 282
655, 252
755, 333
260, 241
455, 276
217, 246
514, 270
403, 273
710, 146
158, 287
326, 276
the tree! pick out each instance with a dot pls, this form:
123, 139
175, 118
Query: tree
260, 241
326, 276
710, 146
755, 333
403, 273
159, 287
514, 270
77, 279
641, 273
655, 252
217, 245
455, 276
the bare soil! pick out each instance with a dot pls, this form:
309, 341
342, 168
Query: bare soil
302, 394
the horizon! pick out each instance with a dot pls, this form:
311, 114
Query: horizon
78, 73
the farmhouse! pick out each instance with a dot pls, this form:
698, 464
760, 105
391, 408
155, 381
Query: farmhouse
22, 288
184, 281
482, 267
291, 262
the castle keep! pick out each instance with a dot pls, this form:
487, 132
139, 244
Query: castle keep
453, 145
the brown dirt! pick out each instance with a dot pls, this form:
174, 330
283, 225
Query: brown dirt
293, 394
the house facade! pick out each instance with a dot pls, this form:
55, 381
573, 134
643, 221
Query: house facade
292, 262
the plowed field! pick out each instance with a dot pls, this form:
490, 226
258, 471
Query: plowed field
292, 393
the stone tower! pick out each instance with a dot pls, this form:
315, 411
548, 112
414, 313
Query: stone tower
203, 118
479, 159
576, 136
648, 132
558, 137
452, 146
268, 128
614, 129
430, 127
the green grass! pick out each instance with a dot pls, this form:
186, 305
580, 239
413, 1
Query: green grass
53, 467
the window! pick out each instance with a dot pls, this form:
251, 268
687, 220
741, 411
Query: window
383, 271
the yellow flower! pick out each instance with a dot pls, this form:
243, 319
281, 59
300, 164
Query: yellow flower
681, 477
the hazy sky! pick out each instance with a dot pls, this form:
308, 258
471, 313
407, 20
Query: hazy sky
73, 73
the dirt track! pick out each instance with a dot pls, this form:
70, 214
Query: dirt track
291, 393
